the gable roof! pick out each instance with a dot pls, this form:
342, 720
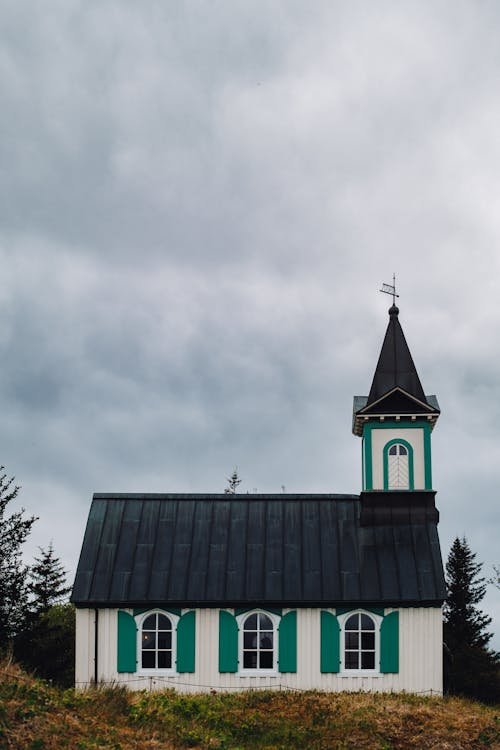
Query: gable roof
239, 550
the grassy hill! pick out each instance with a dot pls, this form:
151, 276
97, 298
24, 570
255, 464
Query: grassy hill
36, 716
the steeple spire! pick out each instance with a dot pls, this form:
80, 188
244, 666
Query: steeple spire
396, 391
395, 366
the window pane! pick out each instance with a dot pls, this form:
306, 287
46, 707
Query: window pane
165, 640
250, 659
266, 640
249, 640
351, 660
393, 450
368, 660
251, 623
367, 623
266, 660
351, 640
352, 623
148, 659
368, 641
149, 640
164, 659
402, 450
164, 623
265, 623
149, 623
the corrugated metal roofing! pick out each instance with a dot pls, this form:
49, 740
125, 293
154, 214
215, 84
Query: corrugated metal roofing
213, 550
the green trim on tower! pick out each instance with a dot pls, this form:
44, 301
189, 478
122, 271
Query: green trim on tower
385, 459
427, 457
367, 444
287, 643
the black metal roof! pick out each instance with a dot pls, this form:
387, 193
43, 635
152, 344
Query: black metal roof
236, 550
395, 367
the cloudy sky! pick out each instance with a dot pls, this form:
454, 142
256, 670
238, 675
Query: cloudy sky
199, 202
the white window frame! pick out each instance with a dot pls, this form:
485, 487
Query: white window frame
139, 621
377, 620
240, 619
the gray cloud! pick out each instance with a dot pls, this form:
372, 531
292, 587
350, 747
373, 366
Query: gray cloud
198, 204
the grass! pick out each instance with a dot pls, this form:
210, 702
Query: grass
36, 716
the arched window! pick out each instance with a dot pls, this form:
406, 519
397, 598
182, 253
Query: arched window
258, 642
398, 465
360, 642
156, 642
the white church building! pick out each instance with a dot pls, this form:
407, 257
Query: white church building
311, 591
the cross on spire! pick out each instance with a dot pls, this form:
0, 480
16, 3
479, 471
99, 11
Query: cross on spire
391, 289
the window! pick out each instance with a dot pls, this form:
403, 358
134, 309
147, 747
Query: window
359, 652
360, 642
398, 465
156, 642
258, 641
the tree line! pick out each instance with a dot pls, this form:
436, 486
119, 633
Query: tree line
37, 624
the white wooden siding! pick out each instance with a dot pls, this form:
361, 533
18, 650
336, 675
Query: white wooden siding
420, 657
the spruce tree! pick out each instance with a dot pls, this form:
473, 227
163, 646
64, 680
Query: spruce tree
46, 643
48, 581
14, 530
473, 668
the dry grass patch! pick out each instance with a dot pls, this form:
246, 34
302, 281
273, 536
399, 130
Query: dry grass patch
35, 716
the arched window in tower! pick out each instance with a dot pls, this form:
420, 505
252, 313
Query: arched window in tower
398, 467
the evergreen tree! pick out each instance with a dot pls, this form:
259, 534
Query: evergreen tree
14, 530
232, 483
46, 643
48, 581
473, 668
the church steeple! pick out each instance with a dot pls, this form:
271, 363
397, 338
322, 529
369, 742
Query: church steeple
395, 366
395, 419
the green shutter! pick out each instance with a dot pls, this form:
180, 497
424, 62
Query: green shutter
287, 659
127, 643
228, 642
389, 643
330, 643
186, 639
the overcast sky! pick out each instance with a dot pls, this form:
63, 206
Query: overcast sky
199, 202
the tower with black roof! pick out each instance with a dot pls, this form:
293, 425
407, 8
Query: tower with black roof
395, 420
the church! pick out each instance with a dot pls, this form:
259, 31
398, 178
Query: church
333, 592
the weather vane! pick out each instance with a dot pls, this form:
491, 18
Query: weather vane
391, 289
